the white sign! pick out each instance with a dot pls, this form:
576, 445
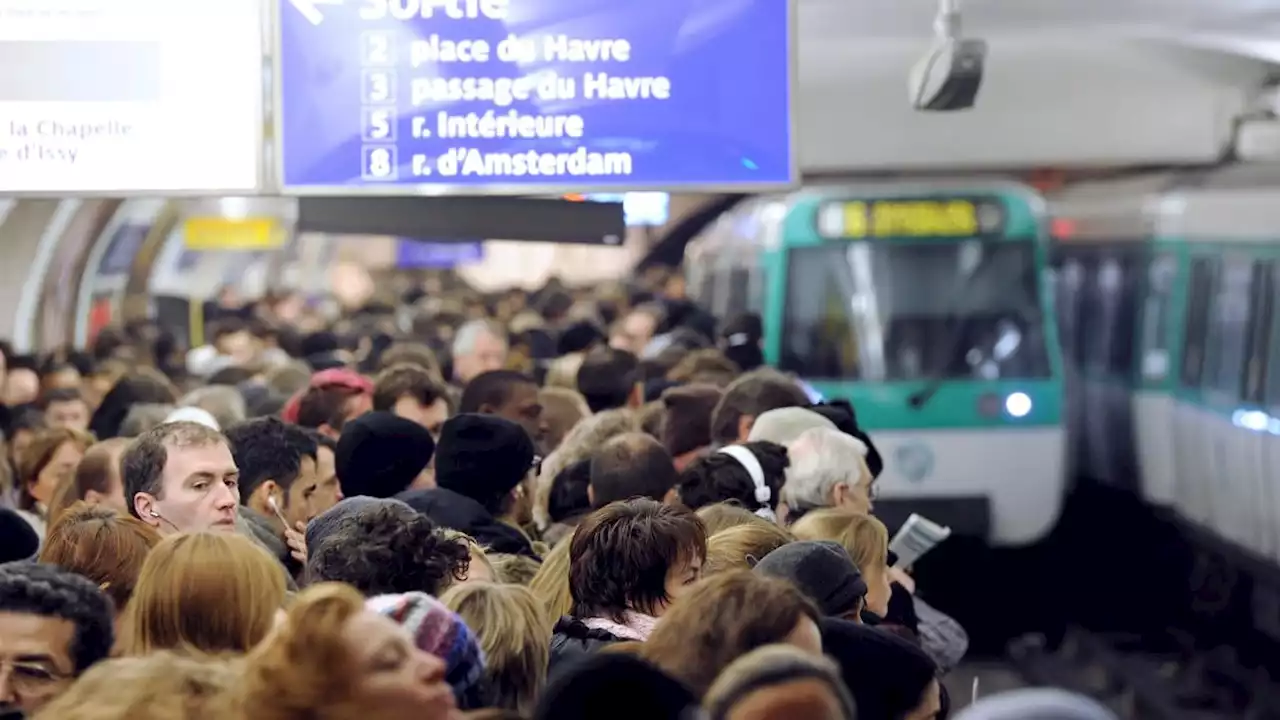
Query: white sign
116, 97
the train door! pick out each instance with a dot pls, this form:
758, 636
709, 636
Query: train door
1251, 420
1152, 403
1194, 463
1227, 491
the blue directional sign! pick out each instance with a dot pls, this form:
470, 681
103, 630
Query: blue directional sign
434, 96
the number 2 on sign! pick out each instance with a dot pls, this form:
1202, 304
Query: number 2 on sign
379, 163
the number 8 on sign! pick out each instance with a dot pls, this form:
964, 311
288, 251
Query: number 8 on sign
379, 162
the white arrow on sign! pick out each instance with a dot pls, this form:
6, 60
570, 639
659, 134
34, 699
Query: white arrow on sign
310, 9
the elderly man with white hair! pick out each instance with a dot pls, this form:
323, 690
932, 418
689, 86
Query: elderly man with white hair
828, 469
479, 347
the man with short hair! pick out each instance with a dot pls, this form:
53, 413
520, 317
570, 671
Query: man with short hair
65, 408
327, 491
479, 347
181, 477
749, 397
636, 329
509, 395
54, 625
631, 465
609, 378
411, 392
278, 471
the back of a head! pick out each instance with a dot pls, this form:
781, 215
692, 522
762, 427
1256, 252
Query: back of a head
161, 686
887, 675
742, 546
631, 465
608, 377
784, 425
606, 683
223, 402
751, 611
514, 631
773, 666
204, 592
1037, 704
821, 570
751, 396
102, 545
687, 425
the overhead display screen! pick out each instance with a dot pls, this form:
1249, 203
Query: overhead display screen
911, 218
434, 96
111, 97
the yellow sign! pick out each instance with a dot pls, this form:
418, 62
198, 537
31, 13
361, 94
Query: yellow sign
911, 218
216, 233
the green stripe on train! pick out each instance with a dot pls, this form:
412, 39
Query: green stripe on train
956, 405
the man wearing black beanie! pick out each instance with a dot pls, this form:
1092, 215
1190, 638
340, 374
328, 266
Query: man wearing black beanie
380, 454
484, 469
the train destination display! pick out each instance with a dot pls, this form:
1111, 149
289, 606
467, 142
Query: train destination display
111, 97
410, 96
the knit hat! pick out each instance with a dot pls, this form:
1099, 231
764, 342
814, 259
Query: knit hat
821, 570
784, 425
579, 337
603, 683
330, 378
439, 631
886, 674
1037, 704
688, 422
483, 457
18, 540
380, 454
328, 522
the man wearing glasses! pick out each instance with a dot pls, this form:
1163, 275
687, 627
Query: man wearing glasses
54, 625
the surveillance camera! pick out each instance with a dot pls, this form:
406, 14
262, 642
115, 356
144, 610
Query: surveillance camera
948, 76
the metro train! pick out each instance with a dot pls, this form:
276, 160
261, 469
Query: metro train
1168, 290
926, 305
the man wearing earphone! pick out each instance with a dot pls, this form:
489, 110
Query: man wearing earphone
181, 477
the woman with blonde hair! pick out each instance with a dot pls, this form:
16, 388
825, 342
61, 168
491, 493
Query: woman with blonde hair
102, 545
49, 460
742, 546
333, 659
202, 593
865, 539
161, 686
551, 583
515, 634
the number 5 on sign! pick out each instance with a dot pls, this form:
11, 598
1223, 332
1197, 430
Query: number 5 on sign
379, 124
378, 163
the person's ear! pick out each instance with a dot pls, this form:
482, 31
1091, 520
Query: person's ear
144, 504
636, 399
591, 496
259, 500
744, 426
487, 409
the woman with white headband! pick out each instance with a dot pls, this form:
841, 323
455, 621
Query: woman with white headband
750, 475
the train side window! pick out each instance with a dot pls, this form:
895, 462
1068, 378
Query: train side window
1199, 293
1228, 329
1272, 369
1068, 283
820, 335
1156, 317
1261, 308
1120, 357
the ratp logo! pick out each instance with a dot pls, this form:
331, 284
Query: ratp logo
914, 460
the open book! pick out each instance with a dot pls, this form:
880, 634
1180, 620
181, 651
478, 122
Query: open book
917, 536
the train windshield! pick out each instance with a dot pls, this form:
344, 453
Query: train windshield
894, 311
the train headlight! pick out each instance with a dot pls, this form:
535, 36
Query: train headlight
1018, 404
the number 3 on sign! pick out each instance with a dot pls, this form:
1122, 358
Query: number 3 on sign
379, 86
379, 163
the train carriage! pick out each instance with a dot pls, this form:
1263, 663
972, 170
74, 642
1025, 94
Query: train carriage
1196, 403
924, 305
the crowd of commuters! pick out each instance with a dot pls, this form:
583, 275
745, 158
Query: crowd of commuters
557, 505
